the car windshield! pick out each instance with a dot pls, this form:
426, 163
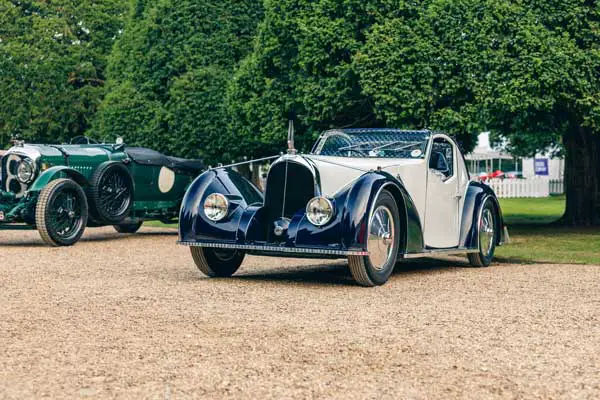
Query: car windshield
378, 143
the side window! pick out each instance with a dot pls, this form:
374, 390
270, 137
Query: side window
442, 157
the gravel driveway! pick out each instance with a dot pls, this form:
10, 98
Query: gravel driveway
130, 316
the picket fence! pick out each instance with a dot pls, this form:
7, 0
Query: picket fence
507, 188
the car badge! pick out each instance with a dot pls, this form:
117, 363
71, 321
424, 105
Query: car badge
2, 216
416, 153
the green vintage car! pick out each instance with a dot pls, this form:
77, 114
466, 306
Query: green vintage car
62, 189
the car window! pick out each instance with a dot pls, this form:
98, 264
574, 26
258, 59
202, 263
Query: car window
442, 157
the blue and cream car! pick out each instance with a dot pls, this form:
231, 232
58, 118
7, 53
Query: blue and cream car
375, 196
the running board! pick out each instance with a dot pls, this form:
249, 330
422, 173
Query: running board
440, 252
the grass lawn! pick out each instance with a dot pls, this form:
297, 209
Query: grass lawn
534, 239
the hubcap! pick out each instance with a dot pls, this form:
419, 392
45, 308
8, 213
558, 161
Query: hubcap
486, 232
381, 237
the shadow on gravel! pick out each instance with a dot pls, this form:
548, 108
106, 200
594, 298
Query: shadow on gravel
91, 237
339, 274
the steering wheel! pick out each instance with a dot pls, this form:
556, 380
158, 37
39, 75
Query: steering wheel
83, 140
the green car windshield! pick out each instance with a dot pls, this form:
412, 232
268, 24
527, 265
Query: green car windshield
368, 143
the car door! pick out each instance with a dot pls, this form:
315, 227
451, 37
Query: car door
441, 228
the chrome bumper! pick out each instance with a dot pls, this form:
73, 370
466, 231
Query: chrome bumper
277, 249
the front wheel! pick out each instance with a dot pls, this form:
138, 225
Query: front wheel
217, 262
382, 244
61, 213
487, 227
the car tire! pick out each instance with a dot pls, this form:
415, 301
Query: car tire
108, 179
487, 226
128, 228
217, 262
61, 212
382, 243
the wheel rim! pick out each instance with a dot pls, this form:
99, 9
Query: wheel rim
486, 232
65, 214
381, 237
115, 194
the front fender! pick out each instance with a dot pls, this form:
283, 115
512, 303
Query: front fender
359, 203
54, 173
194, 225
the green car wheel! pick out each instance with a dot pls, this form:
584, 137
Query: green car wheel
61, 213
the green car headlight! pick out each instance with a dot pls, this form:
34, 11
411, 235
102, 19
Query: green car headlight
216, 207
26, 171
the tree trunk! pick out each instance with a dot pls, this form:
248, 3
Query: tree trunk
582, 177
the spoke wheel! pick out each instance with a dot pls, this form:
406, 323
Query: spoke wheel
111, 193
61, 212
382, 244
487, 232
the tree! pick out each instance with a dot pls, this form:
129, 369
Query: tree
169, 74
528, 73
52, 62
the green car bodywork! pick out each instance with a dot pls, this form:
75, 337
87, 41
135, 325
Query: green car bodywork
152, 186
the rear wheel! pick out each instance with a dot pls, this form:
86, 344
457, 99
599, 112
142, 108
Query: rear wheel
487, 226
128, 228
382, 244
217, 262
61, 213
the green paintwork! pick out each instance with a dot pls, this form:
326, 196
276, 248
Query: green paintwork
79, 162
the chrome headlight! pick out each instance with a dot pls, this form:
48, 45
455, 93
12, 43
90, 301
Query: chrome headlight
216, 207
319, 211
26, 171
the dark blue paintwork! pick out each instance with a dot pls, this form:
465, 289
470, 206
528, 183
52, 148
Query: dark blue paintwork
477, 194
249, 223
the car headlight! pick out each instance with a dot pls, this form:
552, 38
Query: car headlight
216, 207
319, 211
26, 171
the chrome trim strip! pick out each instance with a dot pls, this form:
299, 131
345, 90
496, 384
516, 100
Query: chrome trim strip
276, 249
445, 252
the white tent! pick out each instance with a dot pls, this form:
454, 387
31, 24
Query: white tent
484, 152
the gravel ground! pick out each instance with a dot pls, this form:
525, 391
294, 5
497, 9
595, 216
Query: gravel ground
130, 316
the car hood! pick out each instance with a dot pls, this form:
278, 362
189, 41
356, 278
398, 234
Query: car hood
337, 172
37, 151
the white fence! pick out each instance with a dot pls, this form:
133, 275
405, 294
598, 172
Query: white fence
506, 188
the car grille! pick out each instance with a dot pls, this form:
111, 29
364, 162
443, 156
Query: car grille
290, 186
8, 175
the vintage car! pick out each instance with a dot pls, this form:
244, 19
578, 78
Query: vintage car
61, 189
375, 196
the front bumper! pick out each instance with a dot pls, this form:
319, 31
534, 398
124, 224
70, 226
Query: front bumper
279, 250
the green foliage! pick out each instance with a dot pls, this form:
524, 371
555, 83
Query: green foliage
52, 62
169, 74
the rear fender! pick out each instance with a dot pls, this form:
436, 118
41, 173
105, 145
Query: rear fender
359, 203
241, 193
54, 173
477, 194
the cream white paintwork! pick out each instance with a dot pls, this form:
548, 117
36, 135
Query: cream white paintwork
439, 203
166, 180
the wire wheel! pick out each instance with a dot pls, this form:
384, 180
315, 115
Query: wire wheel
61, 212
111, 194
